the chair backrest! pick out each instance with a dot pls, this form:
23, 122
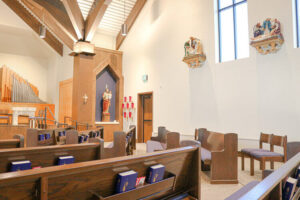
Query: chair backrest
281, 141
264, 138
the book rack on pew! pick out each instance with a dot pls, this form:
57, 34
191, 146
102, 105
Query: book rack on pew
96, 179
147, 190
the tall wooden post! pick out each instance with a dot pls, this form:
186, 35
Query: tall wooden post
82, 86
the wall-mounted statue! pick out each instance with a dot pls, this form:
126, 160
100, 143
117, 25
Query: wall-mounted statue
107, 95
194, 55
267, 37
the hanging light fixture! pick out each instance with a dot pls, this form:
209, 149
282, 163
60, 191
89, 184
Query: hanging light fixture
43, 29
124, 25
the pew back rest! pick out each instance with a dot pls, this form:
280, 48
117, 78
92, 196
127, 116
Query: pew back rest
161, 135
16, 142
82, 180
292, 149
32, 137
47, 156
212, 141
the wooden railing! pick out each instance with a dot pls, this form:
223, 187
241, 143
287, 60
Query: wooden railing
271, 186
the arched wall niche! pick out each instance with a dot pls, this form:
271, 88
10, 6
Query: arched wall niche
107, 78
113, 65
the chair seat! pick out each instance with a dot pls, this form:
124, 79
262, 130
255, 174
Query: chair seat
249, 150
205, 154
260, 154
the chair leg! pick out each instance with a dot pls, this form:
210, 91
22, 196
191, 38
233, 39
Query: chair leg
243, 162
263, 165
251, 166
272, 164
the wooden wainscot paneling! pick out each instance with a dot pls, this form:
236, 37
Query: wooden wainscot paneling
86, 68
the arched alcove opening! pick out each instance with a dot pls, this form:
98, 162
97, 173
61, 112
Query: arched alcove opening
107, 78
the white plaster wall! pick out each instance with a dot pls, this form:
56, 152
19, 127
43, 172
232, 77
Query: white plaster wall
60, 69
259, 93
104, 40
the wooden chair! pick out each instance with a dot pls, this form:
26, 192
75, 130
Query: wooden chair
271, 156
264, 138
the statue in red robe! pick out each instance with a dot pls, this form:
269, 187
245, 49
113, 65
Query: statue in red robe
106, 104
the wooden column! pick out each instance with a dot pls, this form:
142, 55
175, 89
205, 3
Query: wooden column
83, 85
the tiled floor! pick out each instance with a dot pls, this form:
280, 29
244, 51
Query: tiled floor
220, 192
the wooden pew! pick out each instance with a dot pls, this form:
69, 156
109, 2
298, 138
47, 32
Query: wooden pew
46, 156
164, 140
16, 142
131, 140
32, 137
97, 179
92, 133
270, 188
219, 152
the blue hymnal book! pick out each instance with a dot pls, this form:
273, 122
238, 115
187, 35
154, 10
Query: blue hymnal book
62, 160
298, 176
20, 165
64, 133
289, 188
41, 137
80, 139
126, 181
156, 173
86, 137
47, 136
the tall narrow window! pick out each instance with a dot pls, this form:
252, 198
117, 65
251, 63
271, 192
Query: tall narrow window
297, 3
233, 29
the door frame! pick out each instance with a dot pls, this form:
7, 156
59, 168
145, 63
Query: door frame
140, 111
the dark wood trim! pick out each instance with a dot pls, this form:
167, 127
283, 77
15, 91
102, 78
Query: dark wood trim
94, 18
50, 39
75, 16
63, 31
140, 111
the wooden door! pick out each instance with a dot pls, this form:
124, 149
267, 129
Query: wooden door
145, 117
65, 99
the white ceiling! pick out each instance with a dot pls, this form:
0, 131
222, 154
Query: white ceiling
113, 17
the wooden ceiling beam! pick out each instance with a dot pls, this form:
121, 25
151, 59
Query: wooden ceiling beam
94, 18
75, 16
139, 4
50, 21
34, 24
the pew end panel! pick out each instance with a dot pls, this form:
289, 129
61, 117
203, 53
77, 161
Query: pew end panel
21, 140
83, 180
118, 147
224, 166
